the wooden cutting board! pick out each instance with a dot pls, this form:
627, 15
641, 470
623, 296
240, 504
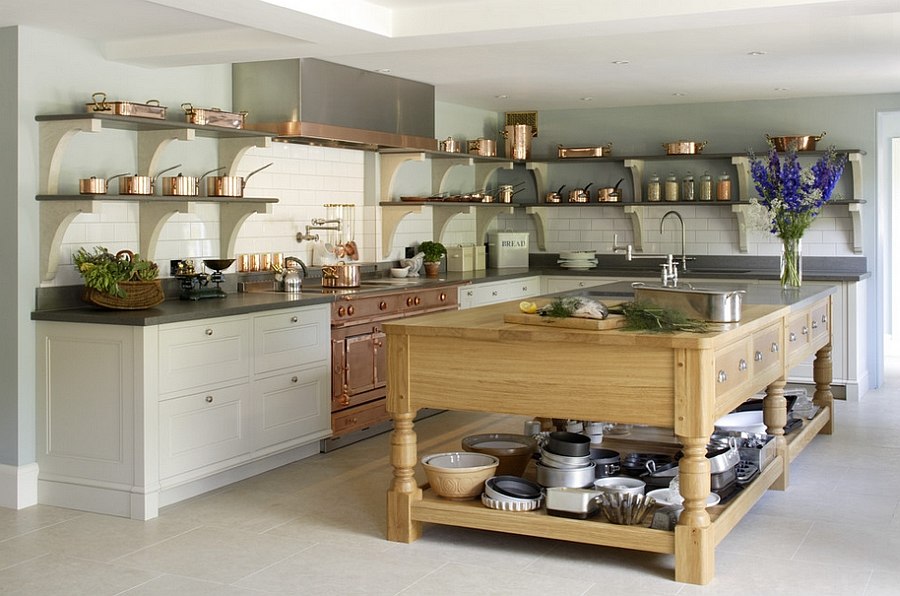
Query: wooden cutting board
611, 322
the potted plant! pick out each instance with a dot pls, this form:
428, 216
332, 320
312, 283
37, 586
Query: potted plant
123, 280
432, 252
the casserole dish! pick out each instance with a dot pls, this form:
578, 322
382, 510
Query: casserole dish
148, 109
576, 152
684, 147
213, 116
795, 142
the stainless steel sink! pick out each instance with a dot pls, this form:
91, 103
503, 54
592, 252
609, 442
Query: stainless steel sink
718, 306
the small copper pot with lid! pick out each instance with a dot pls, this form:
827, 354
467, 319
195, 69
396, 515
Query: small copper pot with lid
184, 186
140, 185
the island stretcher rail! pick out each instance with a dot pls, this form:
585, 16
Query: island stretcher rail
471, 360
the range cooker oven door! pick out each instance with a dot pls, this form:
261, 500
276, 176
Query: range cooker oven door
359, 372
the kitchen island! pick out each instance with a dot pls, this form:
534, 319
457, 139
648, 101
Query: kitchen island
472, 360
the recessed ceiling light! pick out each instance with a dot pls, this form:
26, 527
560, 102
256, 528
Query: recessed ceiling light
385, 70
504, 96
679, 94
587, 99
621, 62
756, 53
781, 89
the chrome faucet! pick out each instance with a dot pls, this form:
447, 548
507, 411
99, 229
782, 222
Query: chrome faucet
684, 258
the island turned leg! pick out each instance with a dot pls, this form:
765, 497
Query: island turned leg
823, 375
775, 417
404, 491
694, 539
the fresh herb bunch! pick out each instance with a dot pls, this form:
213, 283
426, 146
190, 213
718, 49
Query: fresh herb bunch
103, 271
433, 251
561, 307
792, 195
642, 316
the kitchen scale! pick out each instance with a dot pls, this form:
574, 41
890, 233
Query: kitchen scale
195, 286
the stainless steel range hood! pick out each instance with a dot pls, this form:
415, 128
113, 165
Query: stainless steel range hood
311, 101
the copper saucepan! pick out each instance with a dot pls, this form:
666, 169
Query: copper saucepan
684, 147
342, 275
140, 185
184, 186
795, 143
229, 186
96, 186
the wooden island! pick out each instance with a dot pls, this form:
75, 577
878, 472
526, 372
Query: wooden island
471, 360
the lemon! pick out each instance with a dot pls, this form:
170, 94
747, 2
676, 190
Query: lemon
528, 307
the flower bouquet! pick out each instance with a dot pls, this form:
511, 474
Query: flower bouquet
793, 196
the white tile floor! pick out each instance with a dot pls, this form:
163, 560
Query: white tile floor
317, 527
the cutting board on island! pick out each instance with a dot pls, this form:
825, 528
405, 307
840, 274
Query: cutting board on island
610, 322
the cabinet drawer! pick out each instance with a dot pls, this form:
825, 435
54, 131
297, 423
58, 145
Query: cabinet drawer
767, 350
290, 338
797, 333
201, 430
819, 322
193, 356
733, 367
360, 417
291, 406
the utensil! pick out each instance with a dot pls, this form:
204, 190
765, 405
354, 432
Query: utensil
96, 186
571, 477
230, 186
140, 185
684, 147
795, 142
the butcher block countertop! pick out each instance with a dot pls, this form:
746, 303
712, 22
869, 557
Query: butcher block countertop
472, 360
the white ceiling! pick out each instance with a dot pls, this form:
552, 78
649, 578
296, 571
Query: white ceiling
508, 55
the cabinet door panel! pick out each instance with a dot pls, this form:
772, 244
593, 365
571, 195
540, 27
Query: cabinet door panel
363, 352
204, 429
292, 406
288, 339
193, 356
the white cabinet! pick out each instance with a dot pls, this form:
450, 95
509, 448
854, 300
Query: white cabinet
132, 418
498, 291
566, 283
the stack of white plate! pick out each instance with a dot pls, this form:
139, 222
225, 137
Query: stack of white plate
579, 260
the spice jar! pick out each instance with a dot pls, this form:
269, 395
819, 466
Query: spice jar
723, 187
653, 188
687, 187
706, 187
671, 187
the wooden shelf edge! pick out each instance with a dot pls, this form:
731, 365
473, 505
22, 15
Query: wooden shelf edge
797, 441
472, 514
732, 513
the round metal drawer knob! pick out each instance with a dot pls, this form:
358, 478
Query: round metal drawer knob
294, 319
774, 348
209, 399
742, 365
294, 379
209, 332
722, 376
758, 356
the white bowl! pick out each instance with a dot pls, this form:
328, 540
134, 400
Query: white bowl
747, 422
621, 484
665, 496
399, 271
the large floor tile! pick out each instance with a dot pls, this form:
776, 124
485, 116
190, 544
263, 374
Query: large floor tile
176, 585
456, 579
837, 543
54, 575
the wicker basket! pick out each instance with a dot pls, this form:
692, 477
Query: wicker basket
138, 295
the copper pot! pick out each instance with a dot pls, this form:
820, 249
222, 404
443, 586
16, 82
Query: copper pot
140, 185
450, 145
795, 143
229, 186
483, 147
580, 195
684, 147
184, 186
96, 186
554, 197
342, 275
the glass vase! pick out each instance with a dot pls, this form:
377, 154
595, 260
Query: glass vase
791, 264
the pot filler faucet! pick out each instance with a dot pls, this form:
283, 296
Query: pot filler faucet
333, 225
684, 258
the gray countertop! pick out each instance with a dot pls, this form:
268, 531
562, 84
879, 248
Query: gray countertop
174, 310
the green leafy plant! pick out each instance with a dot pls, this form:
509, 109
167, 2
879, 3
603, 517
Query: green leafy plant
641, 316
103, 271
433, 251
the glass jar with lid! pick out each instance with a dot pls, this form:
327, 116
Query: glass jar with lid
723, 187
671, 187
687, 187
706, 187
654, 188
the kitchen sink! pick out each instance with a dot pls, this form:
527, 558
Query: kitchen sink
713, 271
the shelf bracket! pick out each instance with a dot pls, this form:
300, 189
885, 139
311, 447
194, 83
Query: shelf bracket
485, 215
855, 160
55, 219
441, 216
743, 171
391, 216
636, 167
539, 215
150, 144
740, 214
539, 171
153, 216
232, 216
440, 167
231, 150
54, 136
483, 171
856, 221
637, 225
390, 163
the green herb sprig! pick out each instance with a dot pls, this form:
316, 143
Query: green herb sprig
103, 270
561, 307
642, 316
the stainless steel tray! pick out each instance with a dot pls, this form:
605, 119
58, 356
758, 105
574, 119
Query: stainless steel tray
716, 306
